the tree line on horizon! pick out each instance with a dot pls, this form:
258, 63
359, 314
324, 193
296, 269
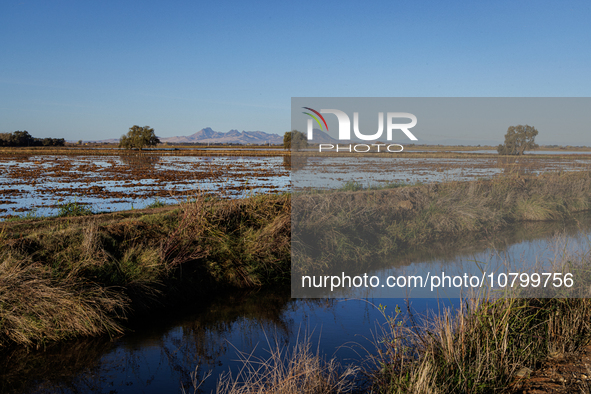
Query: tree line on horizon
23, 138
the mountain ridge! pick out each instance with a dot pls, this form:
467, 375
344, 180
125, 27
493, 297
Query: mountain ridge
208, 135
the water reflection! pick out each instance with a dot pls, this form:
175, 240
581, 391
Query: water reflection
519, 248
140, 162
165, 349
294, 163
57, 368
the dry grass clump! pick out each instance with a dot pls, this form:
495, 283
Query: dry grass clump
35, 307
536, 208
247, 241
479, 348
287, 371
76, 276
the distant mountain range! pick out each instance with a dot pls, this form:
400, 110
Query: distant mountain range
320, 137
207, 135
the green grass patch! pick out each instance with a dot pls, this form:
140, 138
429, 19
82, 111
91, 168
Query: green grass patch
157, 203
73, 208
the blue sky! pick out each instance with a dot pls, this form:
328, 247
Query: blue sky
90, 70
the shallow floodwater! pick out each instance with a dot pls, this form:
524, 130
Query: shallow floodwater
532, 152
37, 185
334, 172
208, 334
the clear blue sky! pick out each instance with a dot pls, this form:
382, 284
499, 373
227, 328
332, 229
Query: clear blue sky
90, 70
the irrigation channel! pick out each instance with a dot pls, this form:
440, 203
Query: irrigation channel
163, 352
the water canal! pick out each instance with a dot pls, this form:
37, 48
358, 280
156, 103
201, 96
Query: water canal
203, 335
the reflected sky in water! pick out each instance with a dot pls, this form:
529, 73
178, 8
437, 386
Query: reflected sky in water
333, 172
208, 334
38, 184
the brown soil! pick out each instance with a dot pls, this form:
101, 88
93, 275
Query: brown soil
562, 373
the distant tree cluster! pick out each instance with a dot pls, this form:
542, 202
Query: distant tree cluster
138, 137
23, 138
518, 139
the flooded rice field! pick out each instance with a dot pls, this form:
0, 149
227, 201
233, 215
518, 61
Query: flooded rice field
533, 152
334, 172
166, 351
38, 184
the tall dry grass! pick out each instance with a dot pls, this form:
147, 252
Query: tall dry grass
357, 226
286, 370
36, 308
61, 278
485, 344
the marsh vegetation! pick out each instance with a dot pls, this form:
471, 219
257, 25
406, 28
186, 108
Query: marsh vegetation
85, 276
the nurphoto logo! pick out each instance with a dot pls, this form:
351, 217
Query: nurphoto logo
345, 129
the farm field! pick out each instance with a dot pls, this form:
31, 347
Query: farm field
372, 170
235, 248
38, 184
